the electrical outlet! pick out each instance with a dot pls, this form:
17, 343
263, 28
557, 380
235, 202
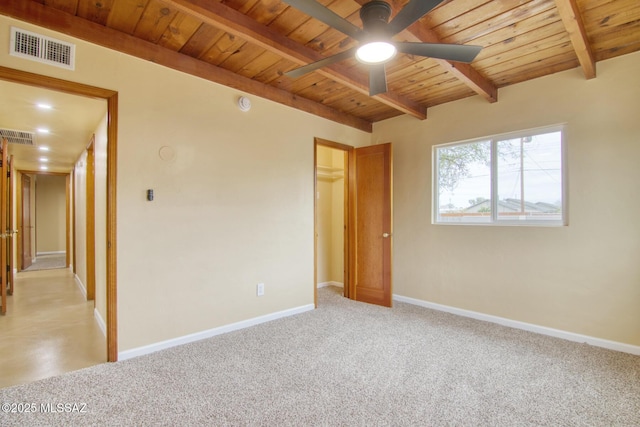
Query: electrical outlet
260, 289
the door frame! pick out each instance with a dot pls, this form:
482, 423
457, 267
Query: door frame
349, 249
351, 200
73, 88
12, 222
20, 200
4, 226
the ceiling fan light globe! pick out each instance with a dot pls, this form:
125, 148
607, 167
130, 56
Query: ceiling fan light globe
376, 52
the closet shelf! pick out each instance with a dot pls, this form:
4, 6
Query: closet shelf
327, 173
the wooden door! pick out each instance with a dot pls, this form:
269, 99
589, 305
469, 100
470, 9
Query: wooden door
11, 232
27, 257
3, 226
371, 208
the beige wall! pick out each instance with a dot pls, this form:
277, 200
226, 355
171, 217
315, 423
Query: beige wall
323, 251
32, 204
100, 184
337, 219
80, 221
233, 207
330, 211
583, 278
51, 213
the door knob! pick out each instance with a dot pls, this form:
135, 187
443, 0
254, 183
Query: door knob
385, 235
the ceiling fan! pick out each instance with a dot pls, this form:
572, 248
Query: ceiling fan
376, 46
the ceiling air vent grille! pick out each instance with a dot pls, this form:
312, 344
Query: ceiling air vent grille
18, 136
36, 47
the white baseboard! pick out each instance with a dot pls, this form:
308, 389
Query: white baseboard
151, 348
51, 253
100, 321
557, 333
325, 284
81, 286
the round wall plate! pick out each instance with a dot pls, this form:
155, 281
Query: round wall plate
244, 103
166, 153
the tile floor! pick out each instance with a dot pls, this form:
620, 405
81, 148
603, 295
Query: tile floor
49, 329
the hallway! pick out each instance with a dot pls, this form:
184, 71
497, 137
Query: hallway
49, 329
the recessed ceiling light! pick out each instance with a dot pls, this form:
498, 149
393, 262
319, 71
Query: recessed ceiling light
44, 106
44, 168
44, 159
43, 148
43, 130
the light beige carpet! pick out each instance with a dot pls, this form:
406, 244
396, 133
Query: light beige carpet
350, 364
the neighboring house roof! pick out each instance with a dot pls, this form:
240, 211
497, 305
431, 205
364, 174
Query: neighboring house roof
513, 205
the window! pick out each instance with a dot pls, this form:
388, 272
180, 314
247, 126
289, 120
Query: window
515, 179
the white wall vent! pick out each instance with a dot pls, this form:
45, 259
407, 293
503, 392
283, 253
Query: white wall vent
37, 47
18, 136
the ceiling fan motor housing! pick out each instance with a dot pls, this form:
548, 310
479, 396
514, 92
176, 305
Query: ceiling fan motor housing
375, 17
376, 46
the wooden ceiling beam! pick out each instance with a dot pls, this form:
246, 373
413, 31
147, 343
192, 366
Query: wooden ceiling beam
572, 20
230, 20
47, 17
462, 71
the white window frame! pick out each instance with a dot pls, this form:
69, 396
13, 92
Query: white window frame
494, 221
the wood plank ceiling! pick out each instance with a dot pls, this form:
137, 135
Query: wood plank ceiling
249, 44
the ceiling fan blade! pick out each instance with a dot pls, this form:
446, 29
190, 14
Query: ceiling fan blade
450, 52
409, 14
326, 15
377, 79
297, 72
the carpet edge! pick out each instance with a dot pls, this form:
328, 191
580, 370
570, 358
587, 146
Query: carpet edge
185, 339
530, 327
